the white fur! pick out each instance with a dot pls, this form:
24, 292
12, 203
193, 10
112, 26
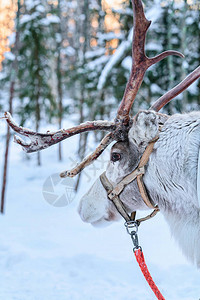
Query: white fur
94, 207
198, 180
170, 178
145, 128
91, 210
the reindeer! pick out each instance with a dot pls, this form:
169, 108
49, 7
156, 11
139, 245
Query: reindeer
170, 173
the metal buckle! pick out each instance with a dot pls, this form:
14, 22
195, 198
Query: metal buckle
132, 229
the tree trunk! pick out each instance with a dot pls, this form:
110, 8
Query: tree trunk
5, 168
37, 111
183, 48
37, 114
170, 58
11, 92
82, 149
102, 111
37, 95
59, 78
83, 138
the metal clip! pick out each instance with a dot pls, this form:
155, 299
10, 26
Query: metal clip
132, 229
135, 241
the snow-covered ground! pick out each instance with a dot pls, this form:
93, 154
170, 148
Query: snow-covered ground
47, 252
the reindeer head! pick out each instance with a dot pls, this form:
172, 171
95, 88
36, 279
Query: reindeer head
126, 152
95, 207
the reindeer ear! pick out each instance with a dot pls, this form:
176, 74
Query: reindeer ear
144, 129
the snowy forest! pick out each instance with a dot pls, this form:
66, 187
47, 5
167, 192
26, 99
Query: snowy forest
65, 62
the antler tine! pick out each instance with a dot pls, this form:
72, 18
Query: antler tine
140, 62
167, 97
90, 158
41, 141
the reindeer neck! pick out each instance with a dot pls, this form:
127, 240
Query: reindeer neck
185, 228
183, 217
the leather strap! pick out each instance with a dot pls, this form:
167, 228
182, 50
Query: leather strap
151, 215
143, 161
143, 192
115, 199
113, 193
145, 157
125, 181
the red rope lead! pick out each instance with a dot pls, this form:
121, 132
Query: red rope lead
141, 261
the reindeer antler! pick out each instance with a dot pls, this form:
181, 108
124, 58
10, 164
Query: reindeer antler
166, 98
140, 62
90, 158
41, 141
119, 128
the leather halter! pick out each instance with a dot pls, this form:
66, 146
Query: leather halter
114, 192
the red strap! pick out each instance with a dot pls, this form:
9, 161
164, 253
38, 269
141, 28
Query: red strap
140, 259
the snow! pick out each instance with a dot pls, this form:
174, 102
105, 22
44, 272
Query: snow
45, 21
11, 39
49, 19
25, 19
156, 89
72, 5
127, 63
185, 64
58, 37
153, 47
193, 88
109, 36
127, 11
53, 19
93, 5
96, 52
82, 17
97, 62
47, 252
30, 4
70, 51
40, 8
9, 56
189, 20
154, 13
115, 58
178, 5
3, 75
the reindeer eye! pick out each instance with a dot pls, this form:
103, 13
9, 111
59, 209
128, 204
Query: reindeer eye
115, 156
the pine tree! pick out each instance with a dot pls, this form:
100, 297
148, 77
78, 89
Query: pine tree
175, 28
11, 66
117, 42
35, 63
192, 52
